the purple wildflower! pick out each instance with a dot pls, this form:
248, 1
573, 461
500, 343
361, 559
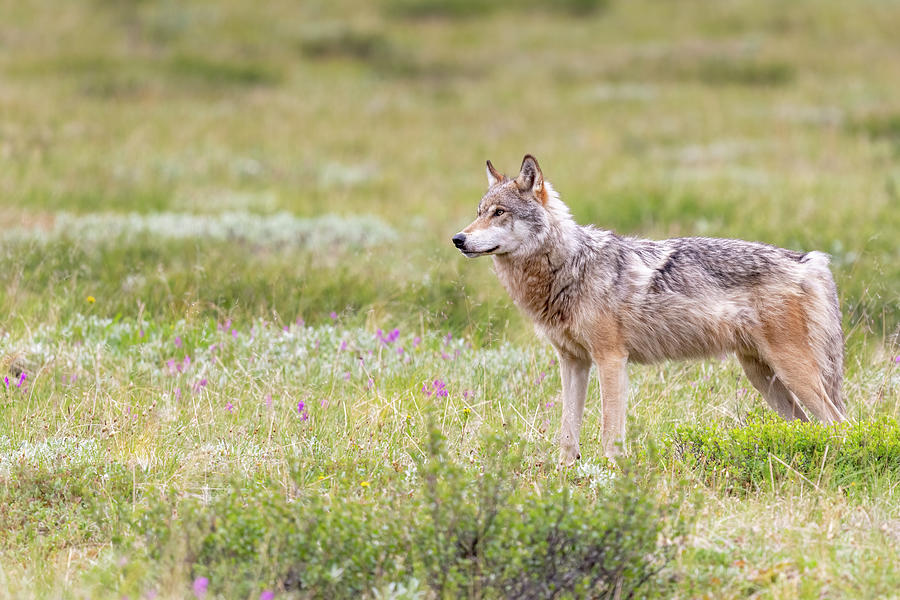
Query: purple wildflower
267, 595
22, 378
300, 322
389, 338
200, 586
897, 359
141, 333
333, 316
323, 403
178, 341
268, 400
548, 405
301, 409
416, 341
286, 328
229, 407
371, 383
343, 345
448, 337
6, 381
438, 388
399, 349
234, 333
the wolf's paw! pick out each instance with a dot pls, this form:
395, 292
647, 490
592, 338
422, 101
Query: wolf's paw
613, 449
568, 456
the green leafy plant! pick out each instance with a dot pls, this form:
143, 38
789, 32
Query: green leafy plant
768, 450
460, 532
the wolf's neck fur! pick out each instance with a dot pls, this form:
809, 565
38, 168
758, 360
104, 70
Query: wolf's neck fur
542, 280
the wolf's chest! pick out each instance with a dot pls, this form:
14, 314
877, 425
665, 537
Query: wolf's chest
540, 291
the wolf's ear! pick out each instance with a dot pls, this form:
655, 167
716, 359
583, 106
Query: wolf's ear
494, 176
531, 179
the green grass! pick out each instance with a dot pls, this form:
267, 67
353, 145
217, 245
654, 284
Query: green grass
211, 209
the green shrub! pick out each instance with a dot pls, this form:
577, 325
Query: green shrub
47, 507
203, 70
456, 531
883, 127
768, 449
744, 72
473, 8
343, 42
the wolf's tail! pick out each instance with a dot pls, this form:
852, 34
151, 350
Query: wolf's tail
828, 336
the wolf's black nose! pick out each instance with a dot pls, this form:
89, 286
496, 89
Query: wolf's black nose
459, 239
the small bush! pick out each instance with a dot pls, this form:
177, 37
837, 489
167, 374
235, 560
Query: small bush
744, 72
880, 127
50, 507
472, 8
456, 532
340, 42
768, 450
203, 70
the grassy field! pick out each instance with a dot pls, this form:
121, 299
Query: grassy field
242, 359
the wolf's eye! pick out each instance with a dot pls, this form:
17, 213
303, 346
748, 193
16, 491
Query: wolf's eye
499, 212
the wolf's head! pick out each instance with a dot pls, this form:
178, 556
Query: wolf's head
513, 215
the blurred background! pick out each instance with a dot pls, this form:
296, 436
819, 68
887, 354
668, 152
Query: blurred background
188, 159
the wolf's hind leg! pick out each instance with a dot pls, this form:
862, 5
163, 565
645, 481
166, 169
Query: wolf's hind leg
772, 389
803, 377
787, 343
574, 373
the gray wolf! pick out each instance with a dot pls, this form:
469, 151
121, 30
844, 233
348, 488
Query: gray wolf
606, 299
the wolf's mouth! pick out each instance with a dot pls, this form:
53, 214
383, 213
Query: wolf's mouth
481, 253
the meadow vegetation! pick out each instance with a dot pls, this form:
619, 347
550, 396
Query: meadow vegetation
241, 359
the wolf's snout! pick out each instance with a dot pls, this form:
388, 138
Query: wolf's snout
459, 240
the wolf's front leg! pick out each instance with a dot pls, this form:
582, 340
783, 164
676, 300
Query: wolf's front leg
574, 373
614, 390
